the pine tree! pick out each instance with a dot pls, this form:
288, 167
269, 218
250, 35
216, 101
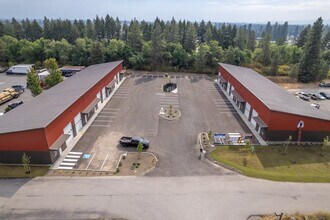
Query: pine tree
157, 45
302, 39
200, 63
55, 75
96, 53
134, 36
90, 30
190, 41
310, 64
33, 82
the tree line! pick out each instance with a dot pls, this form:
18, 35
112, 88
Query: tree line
169, 45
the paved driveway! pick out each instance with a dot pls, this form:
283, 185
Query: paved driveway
134, 110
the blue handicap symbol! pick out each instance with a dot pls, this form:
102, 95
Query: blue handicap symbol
86, 156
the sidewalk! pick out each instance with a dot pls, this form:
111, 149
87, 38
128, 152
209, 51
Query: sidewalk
75, 140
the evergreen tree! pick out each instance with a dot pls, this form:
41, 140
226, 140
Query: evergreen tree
134, 36
18, 30
96, 53
310, 64
90, 30
157, 46
124, 32
190, 41
265, 47
117, 29
200, 63
302, 39
55, 75
209, 35
201, 33
33, 82
172, 32
2, 26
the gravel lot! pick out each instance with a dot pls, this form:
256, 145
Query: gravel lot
7, 81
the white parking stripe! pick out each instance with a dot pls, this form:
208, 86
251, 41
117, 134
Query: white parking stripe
104, 162
90, 161
103, 121
105, 126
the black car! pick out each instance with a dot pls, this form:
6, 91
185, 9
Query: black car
324, 84
133, 142
15, 104
325, 95
18, 88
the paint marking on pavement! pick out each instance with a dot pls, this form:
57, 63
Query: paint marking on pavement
104, 162
105, 126
90, 161
97, 120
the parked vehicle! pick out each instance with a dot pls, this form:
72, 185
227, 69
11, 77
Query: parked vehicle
315, 105
13, 105
18, 88
317, 97
21, 69
303, 96
324, 84
325, 95
133, 141
8, 94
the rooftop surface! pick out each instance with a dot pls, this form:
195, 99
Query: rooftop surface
271, 94
44, 108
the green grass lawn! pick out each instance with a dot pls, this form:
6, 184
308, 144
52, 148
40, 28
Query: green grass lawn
300, 164
14, 171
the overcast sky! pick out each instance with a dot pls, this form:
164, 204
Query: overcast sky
256, 11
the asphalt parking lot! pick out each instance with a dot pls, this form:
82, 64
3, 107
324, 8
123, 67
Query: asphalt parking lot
134, 109
324, 104
7, 81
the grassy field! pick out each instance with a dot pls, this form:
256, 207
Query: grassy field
300, 164
14, 171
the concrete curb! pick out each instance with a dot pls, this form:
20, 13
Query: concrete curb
82, 132
207, 155
135, 153
171, 119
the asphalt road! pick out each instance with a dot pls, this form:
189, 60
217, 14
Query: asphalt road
208, 197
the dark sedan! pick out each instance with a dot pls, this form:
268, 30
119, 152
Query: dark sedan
325, 95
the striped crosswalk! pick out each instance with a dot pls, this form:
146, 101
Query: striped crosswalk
70, 160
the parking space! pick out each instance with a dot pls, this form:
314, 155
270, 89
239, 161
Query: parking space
134, 110
324, 104
7, 81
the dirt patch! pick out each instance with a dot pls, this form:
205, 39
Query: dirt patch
289, 83
136, 165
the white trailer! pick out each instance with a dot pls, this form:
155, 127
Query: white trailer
22, 69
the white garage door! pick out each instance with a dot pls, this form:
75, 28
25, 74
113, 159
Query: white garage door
68, 130
103, 94
247, 110
78, 122
231, 94
254, 114
228, 87
98, 95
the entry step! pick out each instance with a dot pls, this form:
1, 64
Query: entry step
67, 164
72, 156
70, 160
75, 153
65, 168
